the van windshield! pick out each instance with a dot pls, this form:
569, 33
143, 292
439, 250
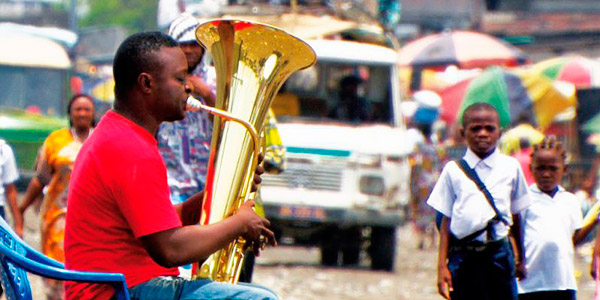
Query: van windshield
38, 90
334, 92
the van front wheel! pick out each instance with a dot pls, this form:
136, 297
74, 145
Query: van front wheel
383, 248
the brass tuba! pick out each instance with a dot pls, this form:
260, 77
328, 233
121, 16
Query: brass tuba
252, 61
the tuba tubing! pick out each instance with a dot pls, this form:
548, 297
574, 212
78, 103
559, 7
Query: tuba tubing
252, 61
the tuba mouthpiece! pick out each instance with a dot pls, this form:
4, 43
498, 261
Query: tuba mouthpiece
193, 104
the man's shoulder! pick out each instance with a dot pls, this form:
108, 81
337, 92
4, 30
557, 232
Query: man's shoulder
119, 140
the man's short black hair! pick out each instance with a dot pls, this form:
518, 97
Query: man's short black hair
476, 107
136, 55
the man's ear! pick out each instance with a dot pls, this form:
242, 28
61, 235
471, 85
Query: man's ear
145, 81
461, 131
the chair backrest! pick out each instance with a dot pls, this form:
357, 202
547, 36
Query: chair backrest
14, 278
17, 258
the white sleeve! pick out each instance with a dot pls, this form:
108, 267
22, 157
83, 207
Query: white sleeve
520, 197
442, 196
575, 214
9, 172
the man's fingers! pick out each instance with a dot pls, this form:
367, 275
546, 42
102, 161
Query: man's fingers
443, 291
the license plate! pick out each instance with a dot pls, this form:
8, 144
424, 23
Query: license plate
302, 212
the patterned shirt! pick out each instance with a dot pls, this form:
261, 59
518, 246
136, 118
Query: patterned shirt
185, 147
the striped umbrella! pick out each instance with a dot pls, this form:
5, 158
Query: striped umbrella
581, 71
514, 94
465, 49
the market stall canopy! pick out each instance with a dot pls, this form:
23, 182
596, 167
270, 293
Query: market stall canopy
32, 51
516, 95
465, 49
308, 26
62, 36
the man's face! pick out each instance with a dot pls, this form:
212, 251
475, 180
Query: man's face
193, 54
482, 131
171, 84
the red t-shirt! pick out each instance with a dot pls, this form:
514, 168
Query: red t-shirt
118, 193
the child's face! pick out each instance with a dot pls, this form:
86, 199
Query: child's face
548, 168
482, 131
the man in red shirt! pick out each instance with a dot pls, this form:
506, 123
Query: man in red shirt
120, 218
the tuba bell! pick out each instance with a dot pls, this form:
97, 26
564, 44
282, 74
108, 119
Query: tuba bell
251, 61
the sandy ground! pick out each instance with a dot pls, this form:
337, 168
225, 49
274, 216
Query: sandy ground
295, 274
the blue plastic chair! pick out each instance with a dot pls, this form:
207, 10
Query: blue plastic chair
17, 258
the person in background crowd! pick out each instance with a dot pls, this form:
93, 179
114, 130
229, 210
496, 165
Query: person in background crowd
523, 156
8, 189
475, 259
552, 225
120, 218
426, 162
185, 144
351, 106
54, 170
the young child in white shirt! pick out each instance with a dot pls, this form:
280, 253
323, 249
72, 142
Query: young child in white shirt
552, 225
478, 263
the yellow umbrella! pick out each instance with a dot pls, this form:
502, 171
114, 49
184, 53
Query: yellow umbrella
550, 97
430, 80
511, 139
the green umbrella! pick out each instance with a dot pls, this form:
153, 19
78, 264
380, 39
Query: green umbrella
491, 87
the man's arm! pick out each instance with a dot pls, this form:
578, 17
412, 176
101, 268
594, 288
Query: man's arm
444, 277
189, 211
193, 243
581, 233
516, 231
587, 224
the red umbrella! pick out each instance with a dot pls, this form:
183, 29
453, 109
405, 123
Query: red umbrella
465, 49
578, 70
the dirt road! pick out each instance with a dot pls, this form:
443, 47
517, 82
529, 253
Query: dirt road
295, 274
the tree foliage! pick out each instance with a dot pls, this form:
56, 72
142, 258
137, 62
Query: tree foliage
134, 15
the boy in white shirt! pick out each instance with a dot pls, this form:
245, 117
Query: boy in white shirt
478, 263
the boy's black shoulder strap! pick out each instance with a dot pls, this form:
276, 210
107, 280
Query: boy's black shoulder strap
464, 166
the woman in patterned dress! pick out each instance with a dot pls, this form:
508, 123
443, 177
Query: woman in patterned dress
55, 163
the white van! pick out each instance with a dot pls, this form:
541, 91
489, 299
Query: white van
346, 178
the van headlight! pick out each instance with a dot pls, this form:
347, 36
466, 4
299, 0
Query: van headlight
369, 161
371, 185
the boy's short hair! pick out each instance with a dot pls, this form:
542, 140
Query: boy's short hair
476, 107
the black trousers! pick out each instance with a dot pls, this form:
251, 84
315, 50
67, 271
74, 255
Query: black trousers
483, 274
